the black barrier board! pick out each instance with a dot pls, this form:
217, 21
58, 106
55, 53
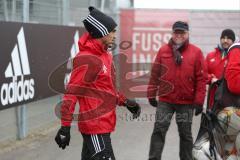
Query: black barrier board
29, 53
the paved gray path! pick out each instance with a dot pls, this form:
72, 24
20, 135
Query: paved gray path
130, 141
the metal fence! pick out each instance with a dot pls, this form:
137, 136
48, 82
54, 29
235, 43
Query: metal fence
58, 12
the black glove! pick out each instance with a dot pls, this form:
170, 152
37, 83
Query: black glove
63, 137
198, 109
153, 102
133, 107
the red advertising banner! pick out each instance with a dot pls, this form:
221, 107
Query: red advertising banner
146, 30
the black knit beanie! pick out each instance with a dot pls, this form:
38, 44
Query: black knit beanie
98, 24
229, 34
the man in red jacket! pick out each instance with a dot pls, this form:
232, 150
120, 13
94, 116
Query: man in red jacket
217, 59
186, 72
232, 73
92, 84
232, 76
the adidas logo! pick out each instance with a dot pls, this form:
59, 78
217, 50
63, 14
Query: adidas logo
104, 69
73, 52
19, 89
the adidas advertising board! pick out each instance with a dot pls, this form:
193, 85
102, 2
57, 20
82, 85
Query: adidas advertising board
19, 89
29, 53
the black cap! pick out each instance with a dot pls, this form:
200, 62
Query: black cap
180, 25
229, 34
98, 24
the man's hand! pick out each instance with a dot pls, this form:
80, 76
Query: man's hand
153, 102
133, 107
214, 78
63, 137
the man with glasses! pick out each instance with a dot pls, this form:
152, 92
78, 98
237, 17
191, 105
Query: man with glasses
185, 72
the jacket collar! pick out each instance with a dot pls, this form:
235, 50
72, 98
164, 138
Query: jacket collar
87, 43
223, 51
181, 48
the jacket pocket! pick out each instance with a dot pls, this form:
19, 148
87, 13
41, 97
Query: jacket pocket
187, 88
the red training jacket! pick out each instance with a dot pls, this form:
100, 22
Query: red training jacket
92, 84
232, 73
215, 64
